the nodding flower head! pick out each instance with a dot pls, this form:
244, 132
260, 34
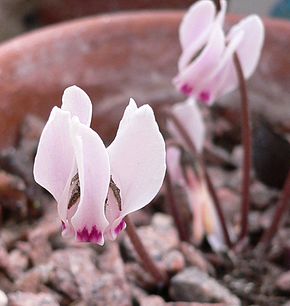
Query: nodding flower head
206, 67
96, 187
205, 221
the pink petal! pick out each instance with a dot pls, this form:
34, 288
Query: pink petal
190, 116
194, 30
78, 103
213, 87
197, 19
249, 49
54, 162
246, 38
89, 220
137, 159
128, 113
203, 66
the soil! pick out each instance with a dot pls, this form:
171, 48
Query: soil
39, 267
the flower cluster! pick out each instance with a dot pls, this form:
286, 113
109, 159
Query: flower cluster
206, 66
206, 72
96, 187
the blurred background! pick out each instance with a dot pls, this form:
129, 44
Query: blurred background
18, 16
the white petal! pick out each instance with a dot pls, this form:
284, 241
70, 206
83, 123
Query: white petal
188, 113
204, 64
54, 161
194, 30
129, 112
249, 49
78, 103
197, 19
137, 159
220, 79
246, 38
89, 221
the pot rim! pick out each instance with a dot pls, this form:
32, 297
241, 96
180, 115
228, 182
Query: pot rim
154, 16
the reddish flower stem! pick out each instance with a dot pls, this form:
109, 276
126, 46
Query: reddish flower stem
149, 265
174, 209
247, 145
209, 183
217, 4
281, 211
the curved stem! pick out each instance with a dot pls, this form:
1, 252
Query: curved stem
247, 146
209, 183
281, 210
149, 264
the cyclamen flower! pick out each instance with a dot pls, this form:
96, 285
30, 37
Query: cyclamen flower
205, 220
206, 66
95, 187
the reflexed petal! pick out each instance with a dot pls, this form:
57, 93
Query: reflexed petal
194, 32
89, 220
196, 21
214, 86
190, 116
246, 38
54, 161
137, 159
249, 49
201, 68
78, 103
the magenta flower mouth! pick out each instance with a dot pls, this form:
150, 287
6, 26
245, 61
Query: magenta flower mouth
120, 227
186, 89
93, 236
204, 96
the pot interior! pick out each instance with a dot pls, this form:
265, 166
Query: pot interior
118, 56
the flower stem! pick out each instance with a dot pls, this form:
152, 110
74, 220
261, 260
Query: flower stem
174, 209
148, 263
217, 4
247, 146
209, 183
281, 210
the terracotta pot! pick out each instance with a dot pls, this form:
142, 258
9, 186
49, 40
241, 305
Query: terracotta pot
114, 57
52, 11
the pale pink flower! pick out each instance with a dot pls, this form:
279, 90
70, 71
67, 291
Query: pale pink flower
95, 187
205, 220
206, 67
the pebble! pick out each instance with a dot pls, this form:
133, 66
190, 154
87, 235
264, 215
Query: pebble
29, 299
194, 285
283, 282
